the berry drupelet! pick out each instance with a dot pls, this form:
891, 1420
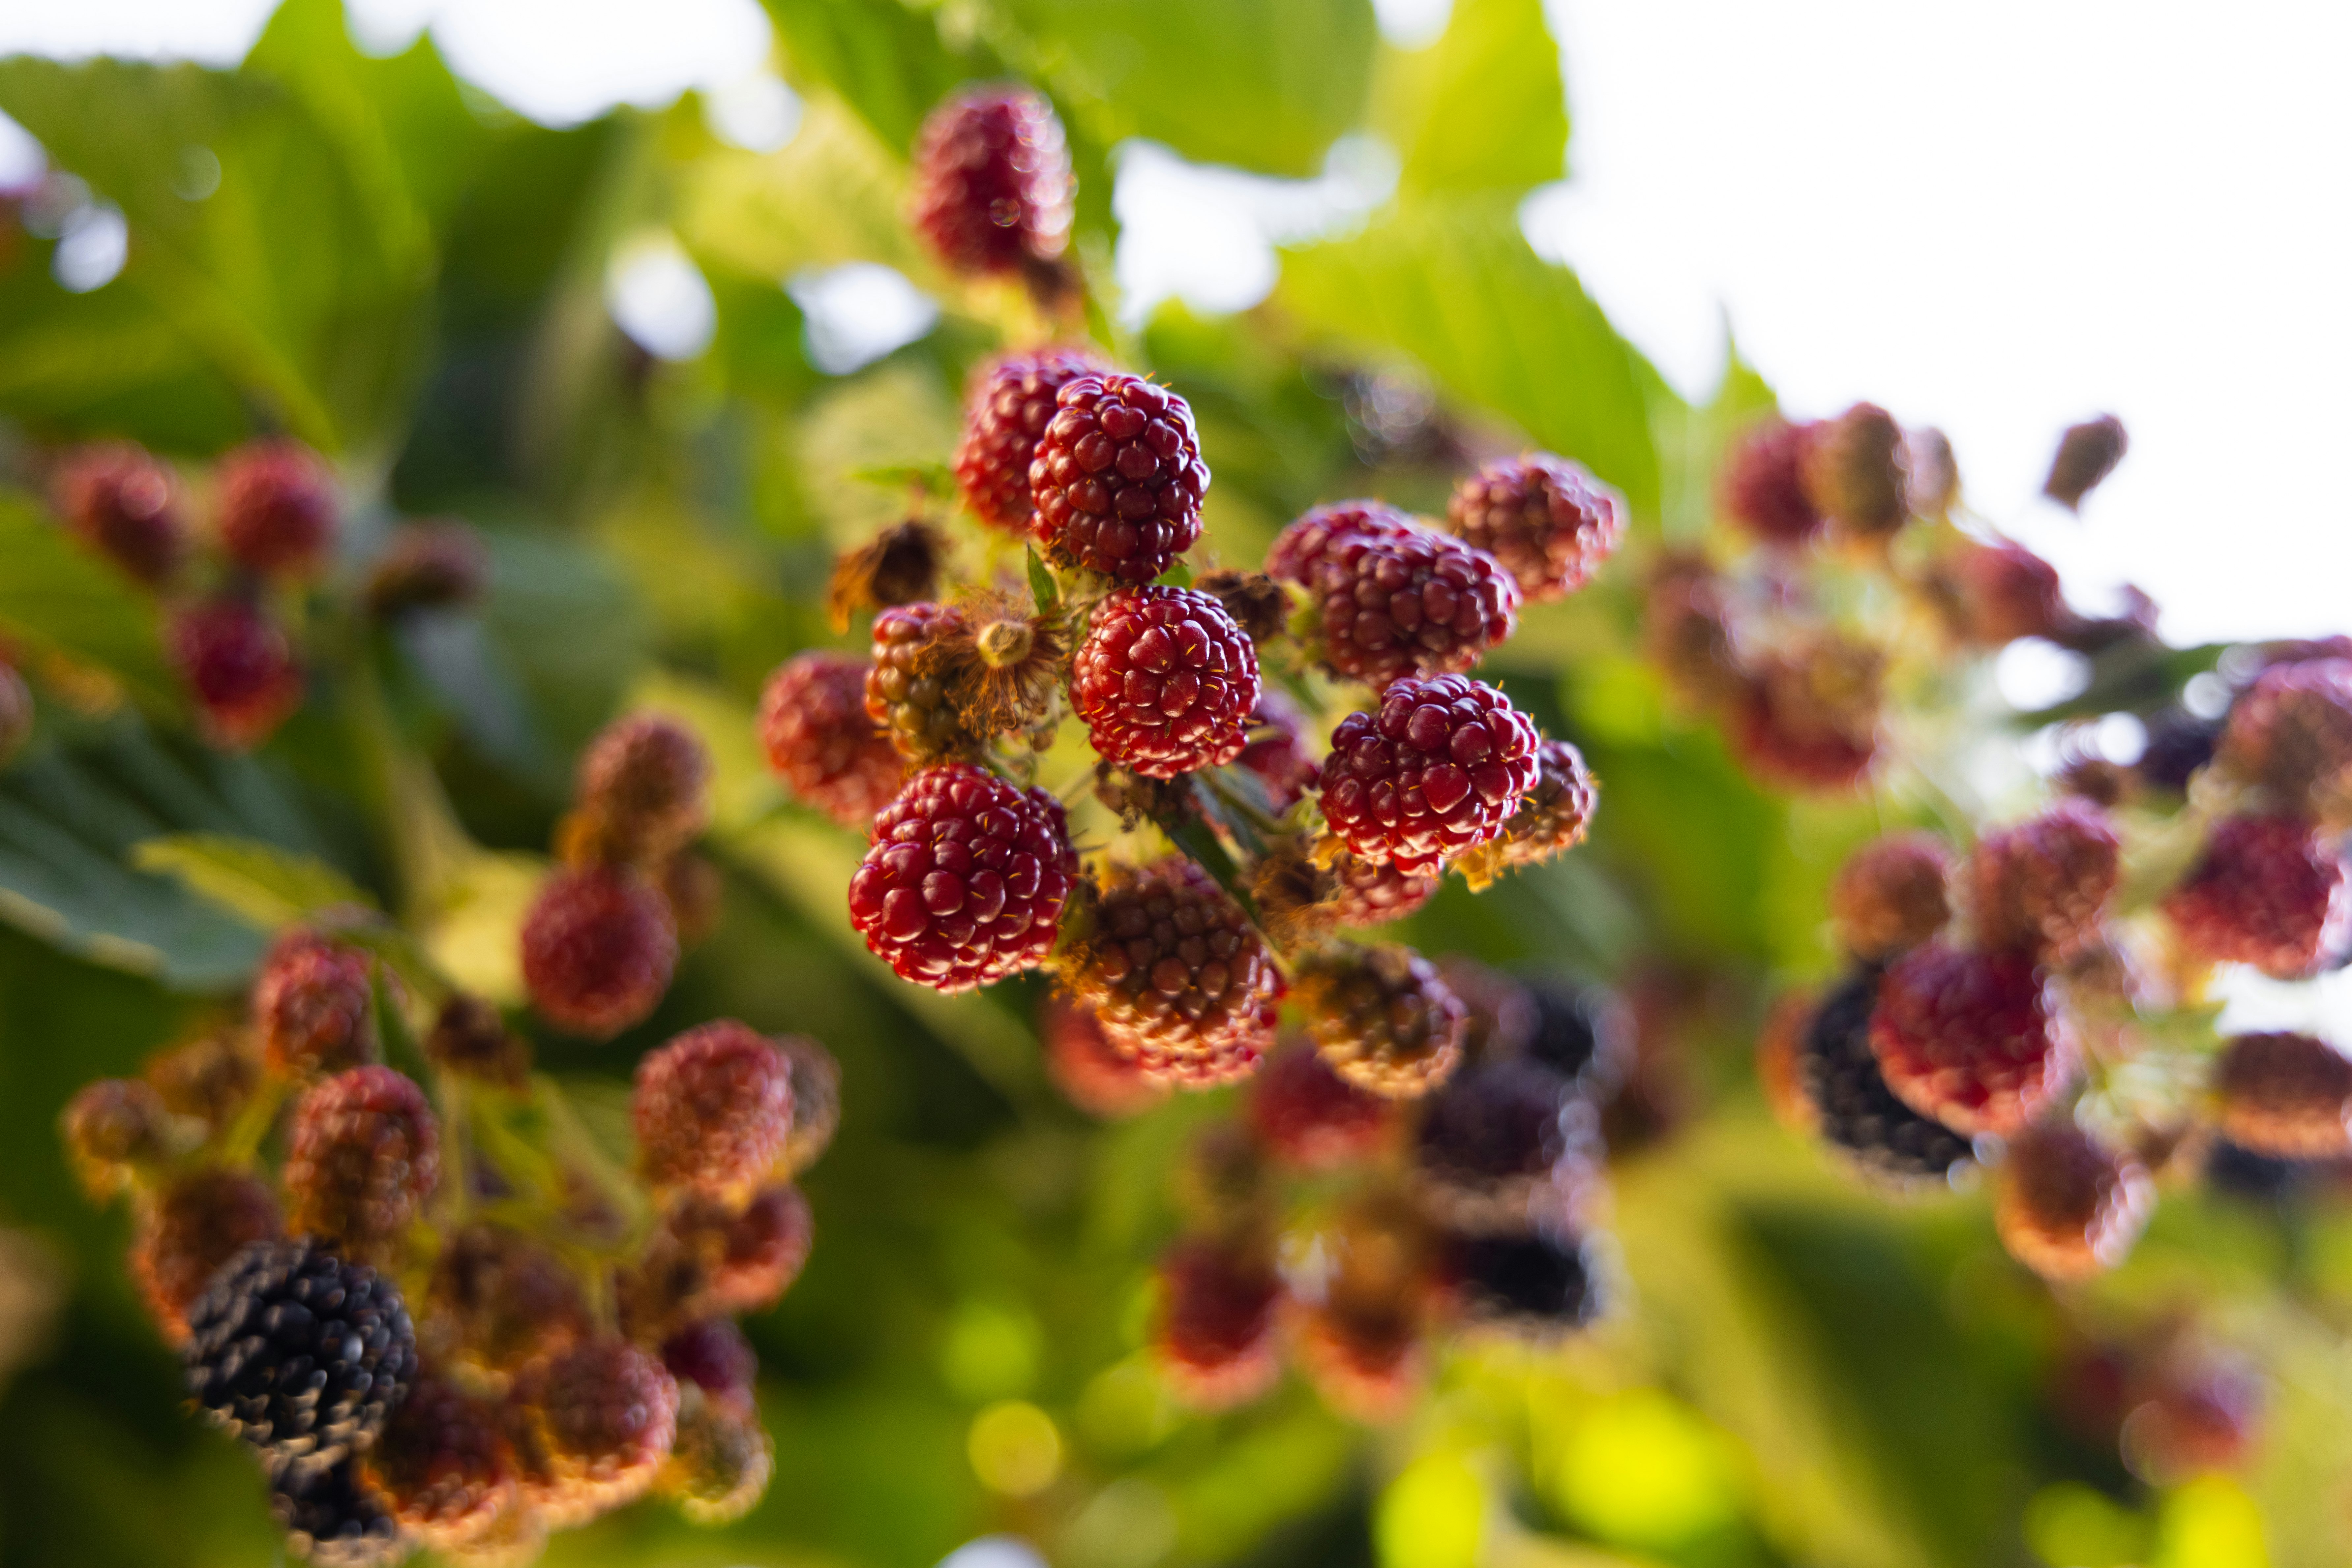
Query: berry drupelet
1006, 409
1547, 520
1438, 769
1165, 681
1118, 478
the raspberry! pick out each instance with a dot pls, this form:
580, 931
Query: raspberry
276, 508
1854, 471
314, 1005
470, 1038
1299, 550
719, 1465
1536, 1282
1165, 681
2268, 892
1491, 1141
2068, 1206
1891, 894
1764, 482
442, 1467
2290, 732
2045, 885
16, 712
237, 667
1369, 893
712, 1355
1307, 1116
597, 1421
1276, 751
2087, 453
1092, 1073
366, 1153
1557, 812
1583, 1033
196, 1225
1809, 717
965, 880
712, 1108
1118, 478
1366, 1367
1548, 520
113, 1130
333, 1521
427, 566
1408, 602
598, 946
1258, 605
1176, 975
816, 1103
123, 504
1439, 769
2285, 1095
1851, 1107
1214, 1332
500, 1301
2004, 591
913, 707
992, 183
1383, 1019
823, 743
1009, 401
647, 779
298, 1352
1973, 1041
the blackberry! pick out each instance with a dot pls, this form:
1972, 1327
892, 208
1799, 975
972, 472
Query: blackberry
443, 1467
276, 508
2045, 885
1383, 1019
2069, 1206
2087, 453
1214, 1331
1535, 1282
123, 503
1547, 520
1495, 1137
1010, 400
188, 1235
2235, 1171
646, 779
598, 947
711, 1354
1854, 1110
1890, 895
1176, 973
1307, 1116
365, 1154
712, 1108
1410, 603
909, 703
992, 186
1165, 681
2268, 892
427, 566
820, 740
298, 1352
2284, 1095
1366, 1366
1855, 471
1118, 478
333, 1521
1585, 1032
314, 1005
2178, 743
1437, 770
1764, 485
238, 668
208, 1079
1974, 1039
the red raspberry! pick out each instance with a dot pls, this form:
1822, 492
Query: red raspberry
1118, 478
1010, 400
1407, 603
1176, 975
1557, 812
237, 667
1973, 1041
823, 743
1092, 1073
912, 707
712, 1108
2087, 453
500, 1301
1548, 520
711, 1354
599, 1420
1372, 893
2287, 1096
443, 1463
365, 1154
314, 1005
2004, 592
598, 947
1764, 482
966, 879
113, 1130
1809, 716
2069, 1208
1299, 550
196, 1225
992, 182
1307, 1116
1383, 1019
1437, 770
1891, 894
1214, 1332
1854, 471
470, 1038
646, 779
1165, 681
2290, 732
2268, 892
427, 566
123, 504
2045, 885
1276, 749
276, 507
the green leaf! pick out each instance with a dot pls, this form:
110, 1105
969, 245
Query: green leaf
62, 599
264, 884
934, 479
1455, 286
1482, 109
1042, 587
1178, 575
886, 60
1692, 440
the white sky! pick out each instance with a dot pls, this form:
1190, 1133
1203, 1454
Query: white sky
1998, 217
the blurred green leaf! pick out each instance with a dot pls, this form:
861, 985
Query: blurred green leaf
1481, 110
886, 60
60, 598
264, 884
1692, 440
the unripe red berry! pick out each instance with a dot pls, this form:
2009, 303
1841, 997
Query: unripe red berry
1548, 520
600, 1417
1276, 749
598, 947
1010, 400
646, 779
965, 880
1372, 893
1118, 478
123, 504
1974, 1040
2199, 1415
197, 1224
1686, 632
1408, 602
1165, 681
470, 1038
208, 1079
823, 743
1764, 482
365, 1154
816, 1103
499, 1302
1437, 770
2069, 1206
443, 1465
2290, 732
712, 1256
113, 1129
1092, 1073
2087, 453
2004, 591
911, 705
276, 508
712, 1108
711, 1354
313, 1005
238, 668
1554, 816
1367, 1367
1890, 895
2284, 1095
1176, 973
1214, 1332
1808, 719
992, 183
1854, 471
2043, 886
428, 566
1299, 550
1307, 1116
2268, 892
1383, 1019
719, 1465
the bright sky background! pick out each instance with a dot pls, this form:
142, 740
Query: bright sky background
1997, 218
